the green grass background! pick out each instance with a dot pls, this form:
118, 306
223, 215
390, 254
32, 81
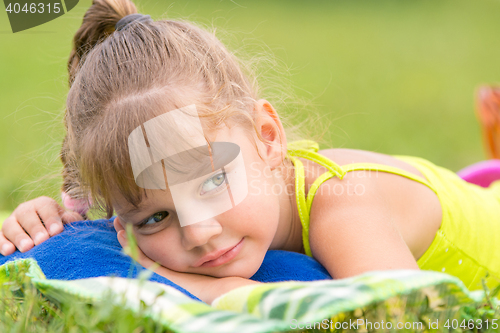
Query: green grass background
392, 76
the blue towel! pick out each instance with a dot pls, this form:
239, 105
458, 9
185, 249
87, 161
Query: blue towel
90, 249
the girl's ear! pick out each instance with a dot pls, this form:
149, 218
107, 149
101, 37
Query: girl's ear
270, 128
121, 234
118, 225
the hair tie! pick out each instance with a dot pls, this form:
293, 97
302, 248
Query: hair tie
80, 206
126, 20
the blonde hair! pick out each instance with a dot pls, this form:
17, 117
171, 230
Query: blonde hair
121, 79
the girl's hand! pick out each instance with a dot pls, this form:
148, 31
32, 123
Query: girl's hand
206, 288
142, 259
32, 223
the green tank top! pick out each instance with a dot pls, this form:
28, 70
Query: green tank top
466, 245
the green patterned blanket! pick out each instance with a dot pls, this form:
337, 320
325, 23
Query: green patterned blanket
407, 300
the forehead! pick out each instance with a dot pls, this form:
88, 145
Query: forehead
150, 198
177, 136
236, 135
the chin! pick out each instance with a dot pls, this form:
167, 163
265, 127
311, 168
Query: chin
247, 274
245, 269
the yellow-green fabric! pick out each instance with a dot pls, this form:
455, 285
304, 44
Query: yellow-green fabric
467, 245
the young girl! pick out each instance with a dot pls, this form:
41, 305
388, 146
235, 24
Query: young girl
354, 211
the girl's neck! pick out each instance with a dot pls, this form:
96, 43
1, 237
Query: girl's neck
289, 233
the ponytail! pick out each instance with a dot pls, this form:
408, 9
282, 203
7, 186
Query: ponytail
98, 23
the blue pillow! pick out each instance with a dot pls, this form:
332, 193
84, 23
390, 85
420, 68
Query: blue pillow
90, 249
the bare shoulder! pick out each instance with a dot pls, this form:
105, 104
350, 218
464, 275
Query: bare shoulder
355, 225
366, 199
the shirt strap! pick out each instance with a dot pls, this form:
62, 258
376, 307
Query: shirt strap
301, 202
308, 149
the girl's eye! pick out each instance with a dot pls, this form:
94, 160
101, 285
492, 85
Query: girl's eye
157, 217
213, 183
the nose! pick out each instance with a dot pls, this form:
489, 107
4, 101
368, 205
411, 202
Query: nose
198, 234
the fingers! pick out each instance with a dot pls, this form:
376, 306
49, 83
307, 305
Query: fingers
13, 232
32, 223
50, 213
6, 247
40, 218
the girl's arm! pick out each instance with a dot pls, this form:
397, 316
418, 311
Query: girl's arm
351, 234
207, 288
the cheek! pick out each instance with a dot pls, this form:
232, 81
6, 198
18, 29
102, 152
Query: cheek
257, 215
160, 247
263, 196
261, 182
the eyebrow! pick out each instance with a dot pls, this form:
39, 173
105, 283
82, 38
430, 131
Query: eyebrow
135, 210
130, 211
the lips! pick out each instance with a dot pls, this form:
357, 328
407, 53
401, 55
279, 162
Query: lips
220, 257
